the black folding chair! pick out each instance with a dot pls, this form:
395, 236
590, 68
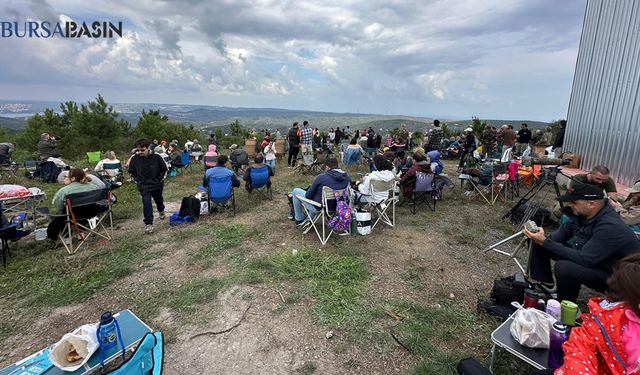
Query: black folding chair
86, 214
424, 192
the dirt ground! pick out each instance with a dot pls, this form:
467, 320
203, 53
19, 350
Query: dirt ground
272, 338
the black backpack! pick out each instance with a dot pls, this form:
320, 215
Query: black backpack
190, 206
49, 171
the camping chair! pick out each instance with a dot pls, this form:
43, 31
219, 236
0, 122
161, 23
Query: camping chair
185, 160
351, 157
86, 214
220, 192
260, 181
112, 181
147, 359
424, 192
319, 220
381, 208
94, 157
477, 184
30, 168
210, 161
318, 163
500, 183
307, 165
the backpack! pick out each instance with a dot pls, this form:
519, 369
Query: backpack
190, 206
341, 221
49, 171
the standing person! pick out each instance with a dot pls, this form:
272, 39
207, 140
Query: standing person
148, 172
212, 139
523, 138
294, 145
469, 146
434, 139
508, 137
306, 138
270, 155
338, 138
557, 144
332, 139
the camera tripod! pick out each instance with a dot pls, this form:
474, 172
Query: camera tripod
547, 179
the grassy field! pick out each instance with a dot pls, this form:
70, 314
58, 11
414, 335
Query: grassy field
418, 282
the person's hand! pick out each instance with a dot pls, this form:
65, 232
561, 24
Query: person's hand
537, 237
615, 204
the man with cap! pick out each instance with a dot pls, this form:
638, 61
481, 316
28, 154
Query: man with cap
238, 157
585, 248
599, 176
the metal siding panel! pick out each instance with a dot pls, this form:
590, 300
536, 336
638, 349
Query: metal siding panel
604, 109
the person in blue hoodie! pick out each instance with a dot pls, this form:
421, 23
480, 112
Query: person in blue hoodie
332, 177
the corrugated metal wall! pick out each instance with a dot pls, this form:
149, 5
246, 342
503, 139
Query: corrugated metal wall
603, 121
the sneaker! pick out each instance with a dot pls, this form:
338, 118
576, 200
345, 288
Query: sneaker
302, 223
148, 229
161, 215
290, 217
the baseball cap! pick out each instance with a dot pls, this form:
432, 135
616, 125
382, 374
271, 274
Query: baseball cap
635, 188
587, 192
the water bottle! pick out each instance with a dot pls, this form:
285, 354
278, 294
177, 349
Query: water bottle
557, 336
108, 334
553, 308
530, 299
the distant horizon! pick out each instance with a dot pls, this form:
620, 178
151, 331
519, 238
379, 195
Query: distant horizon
426, 117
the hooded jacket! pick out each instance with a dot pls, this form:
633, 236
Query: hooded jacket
408, 180
365, 186
211, 151
336, 179
587, 350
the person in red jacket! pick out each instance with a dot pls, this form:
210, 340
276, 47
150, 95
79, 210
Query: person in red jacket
608, 342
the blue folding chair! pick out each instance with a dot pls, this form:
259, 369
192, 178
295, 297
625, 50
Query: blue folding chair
352, 157
185, 160
147, 359
260, 181
221, 192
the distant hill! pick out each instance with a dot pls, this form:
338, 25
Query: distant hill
13, 115
459, 125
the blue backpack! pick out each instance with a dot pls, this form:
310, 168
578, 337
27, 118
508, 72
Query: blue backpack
341, 221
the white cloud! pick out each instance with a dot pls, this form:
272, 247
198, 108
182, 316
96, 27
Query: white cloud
408, 55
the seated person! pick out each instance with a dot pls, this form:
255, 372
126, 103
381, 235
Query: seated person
211, 157
408, 179
437, 166
161, 152
109, 166
353, 153
6, 150
598, 176
196, 150
47, 147
389, 154
175, 156
238, 157
62, 179
258, 163
332, 177
585, 248
619, 312
629, 210
220, 171
75, 181
383, 172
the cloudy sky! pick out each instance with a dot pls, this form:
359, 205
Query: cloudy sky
507, 59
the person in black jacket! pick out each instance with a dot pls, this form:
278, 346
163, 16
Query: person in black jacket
585, 248
557, 145
148, 172
294, 145
523, 138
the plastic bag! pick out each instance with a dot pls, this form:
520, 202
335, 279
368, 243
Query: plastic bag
83, 340
364, 222
530, 327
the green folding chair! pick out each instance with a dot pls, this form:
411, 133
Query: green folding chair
94, 157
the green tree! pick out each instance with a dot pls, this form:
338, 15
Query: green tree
152, 125
477, 126
236, 129
48, 122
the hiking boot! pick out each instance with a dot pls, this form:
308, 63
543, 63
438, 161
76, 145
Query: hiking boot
161, 215
148, 229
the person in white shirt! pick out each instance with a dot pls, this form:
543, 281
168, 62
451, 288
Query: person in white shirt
383, 172
270, 156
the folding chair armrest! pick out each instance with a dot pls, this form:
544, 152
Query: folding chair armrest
310, 201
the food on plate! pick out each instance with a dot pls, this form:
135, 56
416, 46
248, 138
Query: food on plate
73, 356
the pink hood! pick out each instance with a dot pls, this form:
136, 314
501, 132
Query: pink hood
211, 151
